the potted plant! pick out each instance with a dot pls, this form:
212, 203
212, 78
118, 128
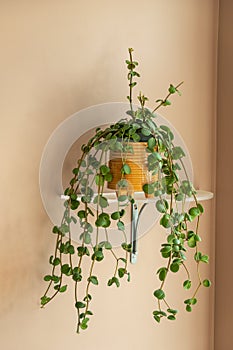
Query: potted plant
134, 154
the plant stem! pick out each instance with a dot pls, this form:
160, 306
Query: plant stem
168, 95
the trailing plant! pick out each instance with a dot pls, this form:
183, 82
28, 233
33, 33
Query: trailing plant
87, 204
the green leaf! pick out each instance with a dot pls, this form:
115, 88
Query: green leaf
66, 269
47, 278
172, 311
154, 157
165, 221
177, 153
99, 180
146, 132
160, 313
71, 249
55, 229
126, 169
77, 277
74, 204
107, 245
197, 238
194, 212
166, 248
121, 272
103, 202
108, 177
193, 301
126, 247
179, 197
116, 215
44, 300
122, 198
93, 279
83, 324
166, 103
172, 89
87, 297
174, 267
83, 251
64, 228
103, 220
104, 169
162, 273
206, 283
128, 278
136, 137
188, 308
114, 280
187, 284
176, 248
82, 214
171, 317
205, 259
121, 226
63, 289
148, 188
197, 256
98, 255
159, 294
56, 261
151, 143
80, 305
75, 171
162, 205
157, 318
187, 301
73, 219
192, 242
110, 282
55, 279
87, 238
200, 207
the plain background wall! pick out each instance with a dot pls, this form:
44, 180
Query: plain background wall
224, 238
58, 57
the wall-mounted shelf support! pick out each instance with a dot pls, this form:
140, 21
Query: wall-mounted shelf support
139, 197
134, 238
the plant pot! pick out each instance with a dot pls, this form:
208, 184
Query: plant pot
137, 161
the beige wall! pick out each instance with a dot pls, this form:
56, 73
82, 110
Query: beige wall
56, 58
224, 238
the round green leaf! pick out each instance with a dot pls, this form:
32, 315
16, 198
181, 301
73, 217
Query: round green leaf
116, 215
206, 283
126, 169
148, 188
104, 169
162, 205
174, 267
187, 284
47, 278
194, 212
165, 221
159, 294
63, 289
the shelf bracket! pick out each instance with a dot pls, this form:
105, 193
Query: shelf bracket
135, 216
134, 238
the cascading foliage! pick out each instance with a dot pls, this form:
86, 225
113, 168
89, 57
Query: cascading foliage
87, 206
